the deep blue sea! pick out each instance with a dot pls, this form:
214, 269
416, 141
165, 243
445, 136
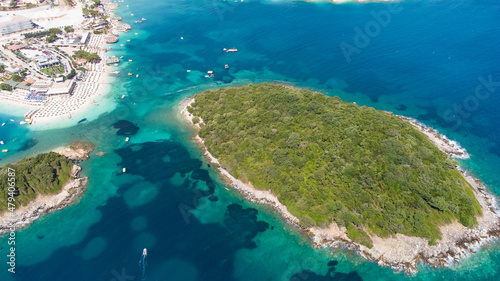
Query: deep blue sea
437, 61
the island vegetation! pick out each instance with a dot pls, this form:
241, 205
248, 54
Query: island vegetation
332, 161
44, 173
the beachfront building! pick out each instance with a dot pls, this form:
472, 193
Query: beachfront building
41, 86
61, 89
81, 62
85, 38
16, 85
43, 61
78, 39
11, 24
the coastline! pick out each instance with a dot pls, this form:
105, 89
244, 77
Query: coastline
399, 252
23, 216
61, 112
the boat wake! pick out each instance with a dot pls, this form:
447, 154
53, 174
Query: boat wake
143, 265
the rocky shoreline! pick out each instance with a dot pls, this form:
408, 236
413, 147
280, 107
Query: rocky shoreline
399, 252
25, 215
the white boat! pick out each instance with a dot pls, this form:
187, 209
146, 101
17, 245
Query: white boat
124, 170
143, 19
137, 76
136, 33
3, 124
11, 120
1, 142
121, 57
22, 122
132, 14
130, 60
123, 96
145, 252
121, 45
127, 139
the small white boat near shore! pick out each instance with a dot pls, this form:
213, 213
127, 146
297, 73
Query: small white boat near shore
3, 124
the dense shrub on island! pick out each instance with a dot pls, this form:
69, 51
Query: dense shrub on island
45, 173
329, 160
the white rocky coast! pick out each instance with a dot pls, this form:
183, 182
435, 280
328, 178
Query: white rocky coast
400, 252
25, 215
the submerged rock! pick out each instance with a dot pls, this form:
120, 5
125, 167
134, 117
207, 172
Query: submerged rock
126, 128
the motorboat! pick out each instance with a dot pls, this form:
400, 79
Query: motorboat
145, 252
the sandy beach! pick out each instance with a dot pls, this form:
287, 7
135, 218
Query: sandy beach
89, 98
400, 252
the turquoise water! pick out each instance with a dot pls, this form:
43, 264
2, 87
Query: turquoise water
425, 62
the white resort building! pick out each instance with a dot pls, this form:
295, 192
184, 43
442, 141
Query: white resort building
61, 89
43, 61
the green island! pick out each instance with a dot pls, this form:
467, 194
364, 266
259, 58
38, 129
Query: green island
45, 173
329, 160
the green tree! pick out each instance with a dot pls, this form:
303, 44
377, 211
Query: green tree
69, 29
55, 31
71, 74
17, 78
6, 87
